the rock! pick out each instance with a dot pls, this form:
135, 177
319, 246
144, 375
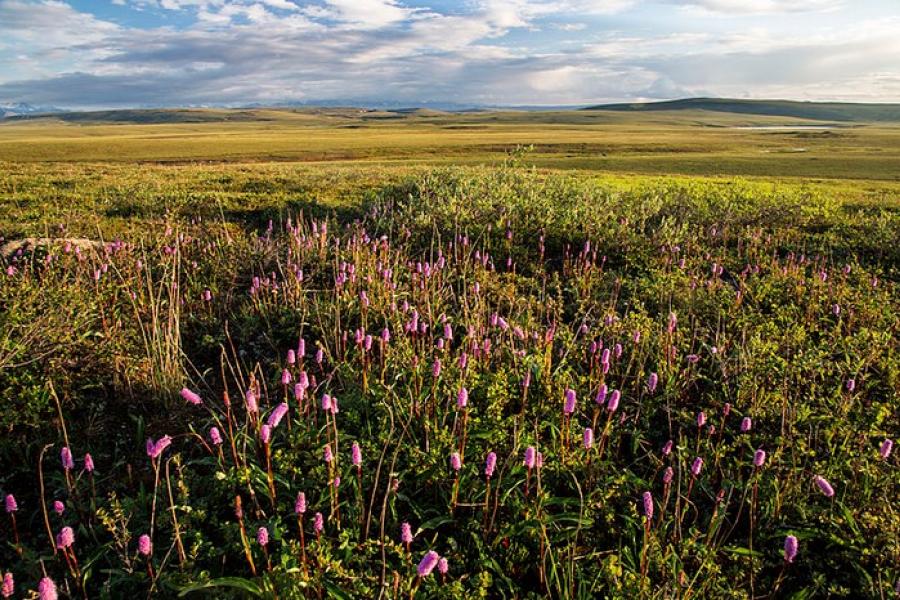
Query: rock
11, 247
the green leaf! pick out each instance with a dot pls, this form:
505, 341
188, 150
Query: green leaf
434, 523
741, 551
336, 592
240, 583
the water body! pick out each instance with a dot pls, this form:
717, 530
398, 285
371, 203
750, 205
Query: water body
785, 127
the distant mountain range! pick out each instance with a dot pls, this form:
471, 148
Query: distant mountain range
819, 111
15, 109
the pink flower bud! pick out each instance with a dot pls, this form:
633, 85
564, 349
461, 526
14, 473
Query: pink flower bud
9, 586
250, 399
145, 547
428, 563
824, 486
759, 458
569, 406
667, 475
696, 466
490, 464
462, 398
65, 538
214, 436
613, 403
406, 535
47, 589
790, 549
66, 457
455, 461
191, 397
356, 455
647, 500
530, 457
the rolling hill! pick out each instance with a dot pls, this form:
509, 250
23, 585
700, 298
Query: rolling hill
820, 111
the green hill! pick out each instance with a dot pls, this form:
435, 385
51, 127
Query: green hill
820, 111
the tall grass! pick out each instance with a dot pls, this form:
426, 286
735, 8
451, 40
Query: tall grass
689, 326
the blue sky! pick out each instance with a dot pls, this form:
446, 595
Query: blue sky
123, 53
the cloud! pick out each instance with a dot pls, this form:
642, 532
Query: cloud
745, 7
365, 14
493, 52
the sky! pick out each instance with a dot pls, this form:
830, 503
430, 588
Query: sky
136, 53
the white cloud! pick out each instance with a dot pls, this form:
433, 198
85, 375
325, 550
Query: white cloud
493, 52
282, 4
365, 14
744, 7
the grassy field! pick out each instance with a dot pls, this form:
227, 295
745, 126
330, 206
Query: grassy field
677, 142
332, 354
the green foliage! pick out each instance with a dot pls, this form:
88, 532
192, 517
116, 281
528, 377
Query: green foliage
780, 294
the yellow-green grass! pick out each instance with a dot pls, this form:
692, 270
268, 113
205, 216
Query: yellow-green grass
682, 142
109, 199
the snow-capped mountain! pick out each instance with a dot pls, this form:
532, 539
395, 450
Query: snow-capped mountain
12, 109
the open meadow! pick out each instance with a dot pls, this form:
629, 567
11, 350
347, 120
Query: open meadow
334, 353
